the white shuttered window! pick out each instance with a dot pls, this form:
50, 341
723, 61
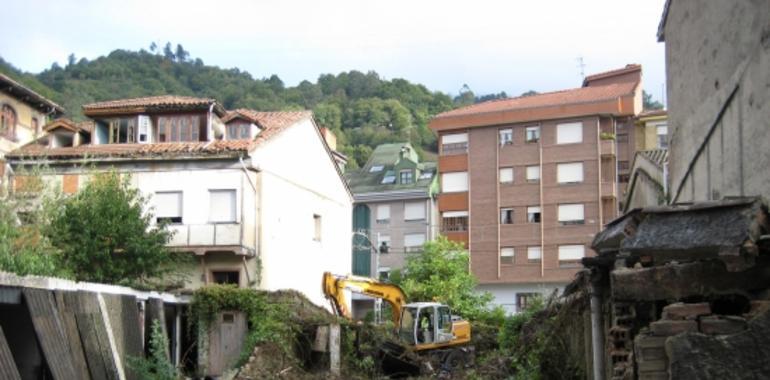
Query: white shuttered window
222, 206
569, 133
506, 255
568, 173
533, 253
414, 210
571, 252
533, 173
571, 213
383, 213
168, 206
414, 240
455, 138
454, 182
506, 175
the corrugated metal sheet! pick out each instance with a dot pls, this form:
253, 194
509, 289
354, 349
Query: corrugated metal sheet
124, 319
8, 369
93, 333
49, 329
10, 295
155, 311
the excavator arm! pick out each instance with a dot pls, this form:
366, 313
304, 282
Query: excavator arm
334, 289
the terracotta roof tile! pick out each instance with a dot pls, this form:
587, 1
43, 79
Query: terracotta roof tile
20, 89
548, 99
629, 68
267, 119
85, 126
152, 104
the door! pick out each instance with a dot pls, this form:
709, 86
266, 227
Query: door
362, 251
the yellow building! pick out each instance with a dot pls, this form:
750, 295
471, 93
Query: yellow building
23, 113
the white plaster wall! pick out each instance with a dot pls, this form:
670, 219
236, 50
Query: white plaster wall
505, 294
299, 179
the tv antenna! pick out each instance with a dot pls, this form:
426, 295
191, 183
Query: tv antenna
582, 66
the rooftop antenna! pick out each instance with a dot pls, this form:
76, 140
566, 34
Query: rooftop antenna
581, 66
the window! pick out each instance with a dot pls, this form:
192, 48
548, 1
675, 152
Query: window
533, 134
122, 131
389, 178
523, 300
506, 175
506, 136
426, 175
414, 210
506, 216
454, 221
376, 168
222, 206
226, 277
571, 213
384, 273
533, 173
168, 207
569, 133
454, 182
238, 130
7, 122
407, 177
569, 173
316, 227
35, 126
534, 254
622, 165
180, 128
622, 138
662, 132
384, 242
506, 256
413, 242
623, 178
570, 255
533, 214
383, 214
456, 143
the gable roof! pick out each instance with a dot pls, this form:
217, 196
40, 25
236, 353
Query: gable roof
267, 119
83, 126
27, 95
388, 156
630, 68
162, 103
277, 122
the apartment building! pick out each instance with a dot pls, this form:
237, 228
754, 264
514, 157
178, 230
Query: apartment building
394, 212
256, 197
527, 182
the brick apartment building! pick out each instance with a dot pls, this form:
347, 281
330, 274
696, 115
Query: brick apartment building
527, 182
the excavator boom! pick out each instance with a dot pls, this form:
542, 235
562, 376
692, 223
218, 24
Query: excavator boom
334, 289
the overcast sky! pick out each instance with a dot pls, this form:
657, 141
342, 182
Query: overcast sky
493, 46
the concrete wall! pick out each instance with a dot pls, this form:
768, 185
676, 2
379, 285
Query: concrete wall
24, 131
298, 180
718, 76
505, 294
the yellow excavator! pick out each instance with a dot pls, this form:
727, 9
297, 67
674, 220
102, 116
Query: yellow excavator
423, 326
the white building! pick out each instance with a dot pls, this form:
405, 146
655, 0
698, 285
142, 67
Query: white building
255, 196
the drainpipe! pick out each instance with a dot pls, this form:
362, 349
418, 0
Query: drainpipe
597, 328
209, 123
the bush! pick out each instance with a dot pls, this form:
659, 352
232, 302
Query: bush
157, 366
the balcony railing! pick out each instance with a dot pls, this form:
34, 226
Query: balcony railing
454, 148
607, 147
454, 224
206, 234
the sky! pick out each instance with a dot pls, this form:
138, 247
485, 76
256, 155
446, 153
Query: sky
492, 46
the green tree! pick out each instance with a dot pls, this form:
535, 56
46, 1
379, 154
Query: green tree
105, 236
440, 273
650, 104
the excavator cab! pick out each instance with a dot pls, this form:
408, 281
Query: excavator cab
426, 325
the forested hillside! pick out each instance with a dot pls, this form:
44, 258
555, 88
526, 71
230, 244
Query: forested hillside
363, 109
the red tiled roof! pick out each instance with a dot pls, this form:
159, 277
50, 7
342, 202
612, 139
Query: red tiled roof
628, 69
274, 122
85, 126
152, 104
651, 113
558, 98
267, 120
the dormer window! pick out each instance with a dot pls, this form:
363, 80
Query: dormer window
122, 131
426, 175
376, 168
180, 129
238, 131
407, 177
389, 178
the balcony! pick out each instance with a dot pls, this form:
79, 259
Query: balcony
607, 147
206, 235
454, 148
609, 189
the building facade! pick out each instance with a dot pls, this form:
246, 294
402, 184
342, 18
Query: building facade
233, 188
23, 112
527, 182
718, 86
647, 179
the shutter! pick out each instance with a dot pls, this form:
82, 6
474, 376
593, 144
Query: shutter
569, 133
506, 255
221, 206
168, 204
534, 253
454, 214
455, 138
383, 212
454, 182
414, 211
533, 173
570, 212
572, 172
506, 175
414, 240
571, 252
